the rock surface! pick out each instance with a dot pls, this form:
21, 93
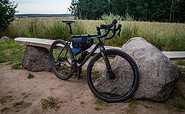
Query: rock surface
4, 38
158, 74
36, 59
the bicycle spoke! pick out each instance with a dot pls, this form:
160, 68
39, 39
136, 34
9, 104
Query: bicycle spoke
61, 59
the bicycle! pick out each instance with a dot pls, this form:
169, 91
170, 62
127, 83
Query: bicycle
68, 57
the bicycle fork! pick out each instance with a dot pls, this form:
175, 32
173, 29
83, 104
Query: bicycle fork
110, 73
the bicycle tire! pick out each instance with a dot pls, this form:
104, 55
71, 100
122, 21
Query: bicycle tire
61, 59
95, 84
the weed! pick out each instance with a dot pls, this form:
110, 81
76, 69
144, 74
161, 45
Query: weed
98, 108
180, 62
17, 66
5, 99
22, 104
6, 109
83, 74
131, 107
30, 76
25, 95
50, 103
100, 104
82, 102
179, 106
182, 95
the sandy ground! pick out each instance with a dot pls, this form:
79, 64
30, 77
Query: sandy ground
73, 95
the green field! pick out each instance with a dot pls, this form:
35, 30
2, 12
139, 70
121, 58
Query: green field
165, 36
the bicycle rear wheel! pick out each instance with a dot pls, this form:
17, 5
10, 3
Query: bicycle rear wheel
61, 58
115, 89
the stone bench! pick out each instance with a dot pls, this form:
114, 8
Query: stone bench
36, 56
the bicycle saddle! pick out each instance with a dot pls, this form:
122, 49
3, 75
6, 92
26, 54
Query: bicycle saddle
68, 21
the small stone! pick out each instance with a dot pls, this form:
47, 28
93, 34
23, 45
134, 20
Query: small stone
5, 38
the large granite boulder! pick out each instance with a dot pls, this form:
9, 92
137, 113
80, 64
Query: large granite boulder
158, 74
36, 59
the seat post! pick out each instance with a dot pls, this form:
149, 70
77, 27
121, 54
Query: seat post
68, 22
70, 29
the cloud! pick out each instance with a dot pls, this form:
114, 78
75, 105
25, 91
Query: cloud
43, 6
42, 1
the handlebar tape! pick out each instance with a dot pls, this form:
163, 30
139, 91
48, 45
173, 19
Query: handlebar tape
109, 25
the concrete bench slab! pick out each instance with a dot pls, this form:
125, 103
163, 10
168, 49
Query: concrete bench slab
46, 43
175, 54
40, 42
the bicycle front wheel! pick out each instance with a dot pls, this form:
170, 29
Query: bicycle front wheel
125, 71
61, 58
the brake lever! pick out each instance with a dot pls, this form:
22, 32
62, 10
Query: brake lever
119, 28
119, 32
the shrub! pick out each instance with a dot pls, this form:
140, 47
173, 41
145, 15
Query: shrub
7, 13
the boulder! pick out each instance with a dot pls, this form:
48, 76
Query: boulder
36, 59
4, 38
158, 74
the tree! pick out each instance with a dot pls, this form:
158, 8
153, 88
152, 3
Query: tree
143, 10
90, 9
7, 13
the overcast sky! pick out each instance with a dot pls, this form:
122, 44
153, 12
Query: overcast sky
42, 6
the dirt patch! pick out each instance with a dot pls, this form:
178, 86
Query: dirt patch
23, 92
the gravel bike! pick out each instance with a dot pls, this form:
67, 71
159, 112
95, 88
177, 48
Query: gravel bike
68, 58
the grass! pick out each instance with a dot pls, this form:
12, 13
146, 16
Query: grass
131, 107
180, 62
30, 76
50, 103
177, 100
100, 104
165, 36
179, 107
11, 52
50, 28
22, 104
17, 66
5, 99
6, 109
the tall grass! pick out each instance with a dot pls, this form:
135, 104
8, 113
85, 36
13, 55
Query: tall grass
165, 36
50, 28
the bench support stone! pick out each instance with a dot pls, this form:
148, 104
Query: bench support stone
36, 59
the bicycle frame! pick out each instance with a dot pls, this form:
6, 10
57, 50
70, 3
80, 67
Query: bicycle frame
105, 58
100, 44
89, 55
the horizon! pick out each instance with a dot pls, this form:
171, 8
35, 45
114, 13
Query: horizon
42, 6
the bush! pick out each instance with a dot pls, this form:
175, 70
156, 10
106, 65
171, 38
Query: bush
7, 13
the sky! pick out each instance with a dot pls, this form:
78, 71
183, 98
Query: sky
42, 6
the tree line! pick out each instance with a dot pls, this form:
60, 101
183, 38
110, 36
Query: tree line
143, 10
